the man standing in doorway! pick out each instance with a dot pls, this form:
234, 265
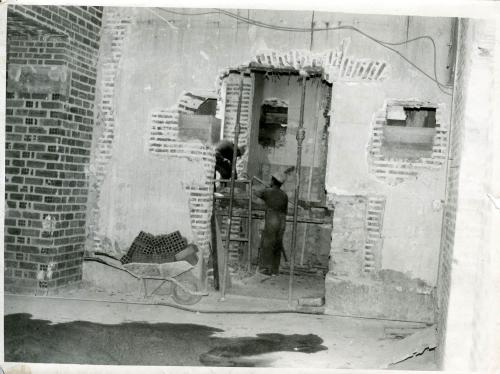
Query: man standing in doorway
271, 244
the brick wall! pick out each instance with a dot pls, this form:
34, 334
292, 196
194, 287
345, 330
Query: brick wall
348, 235
335, 64
231, 93
51, 86
356, 235
374, 219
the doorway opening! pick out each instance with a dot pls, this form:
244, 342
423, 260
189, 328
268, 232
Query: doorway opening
272, 148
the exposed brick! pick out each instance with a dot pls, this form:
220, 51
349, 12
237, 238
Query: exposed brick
37, 120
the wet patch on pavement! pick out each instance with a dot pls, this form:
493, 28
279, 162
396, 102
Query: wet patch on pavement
236, 351
141, 343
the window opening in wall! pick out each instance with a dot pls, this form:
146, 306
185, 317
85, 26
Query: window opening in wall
208, 107
409, 131
200, 123
273, 123
411, 117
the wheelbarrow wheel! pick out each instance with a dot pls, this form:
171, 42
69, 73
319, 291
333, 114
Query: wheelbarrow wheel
180, 296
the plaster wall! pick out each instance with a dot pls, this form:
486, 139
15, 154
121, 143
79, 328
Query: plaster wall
469, 269
412, 218
134, 198
164, 54
187, 52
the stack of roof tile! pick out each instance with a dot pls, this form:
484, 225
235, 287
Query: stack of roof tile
148, 248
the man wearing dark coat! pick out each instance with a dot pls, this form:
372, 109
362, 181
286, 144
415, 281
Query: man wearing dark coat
271, 244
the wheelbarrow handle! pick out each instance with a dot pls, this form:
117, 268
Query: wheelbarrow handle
177, 283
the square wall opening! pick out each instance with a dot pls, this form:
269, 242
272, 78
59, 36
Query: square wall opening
409, 131
273, 123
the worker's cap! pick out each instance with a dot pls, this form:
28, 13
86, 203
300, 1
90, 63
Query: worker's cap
280, 177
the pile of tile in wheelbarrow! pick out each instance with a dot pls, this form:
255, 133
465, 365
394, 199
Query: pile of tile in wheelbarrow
148, 248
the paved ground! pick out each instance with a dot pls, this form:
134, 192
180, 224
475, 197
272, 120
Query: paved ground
60, 330
256, 285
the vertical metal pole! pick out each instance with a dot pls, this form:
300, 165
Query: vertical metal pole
312, 32
231, 193
301, 134
309, 187
249, 236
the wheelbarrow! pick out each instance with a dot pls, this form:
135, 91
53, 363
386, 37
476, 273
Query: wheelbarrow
183, 284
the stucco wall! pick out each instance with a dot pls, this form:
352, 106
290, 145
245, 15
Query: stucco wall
469, 269
412, 218
163, 54
189, 51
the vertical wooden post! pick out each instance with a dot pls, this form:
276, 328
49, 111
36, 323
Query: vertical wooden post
231, 193
301, 134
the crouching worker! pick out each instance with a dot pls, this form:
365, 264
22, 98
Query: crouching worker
224, 153
271, 244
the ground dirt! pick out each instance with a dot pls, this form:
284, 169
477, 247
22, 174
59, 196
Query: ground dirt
48, 329
255, 284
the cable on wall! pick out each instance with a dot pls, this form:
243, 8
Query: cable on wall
384, 44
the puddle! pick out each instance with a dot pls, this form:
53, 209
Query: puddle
236, 351
141, 343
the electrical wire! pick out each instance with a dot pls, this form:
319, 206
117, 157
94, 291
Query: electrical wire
170, 24
441, 86
384, 44
188, 14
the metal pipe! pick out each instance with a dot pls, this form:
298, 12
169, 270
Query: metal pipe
309, 187
301, 134
199, 311
231, 193
312, 32
249, 222
214, 248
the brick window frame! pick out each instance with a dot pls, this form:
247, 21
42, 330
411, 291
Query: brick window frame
395, 170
